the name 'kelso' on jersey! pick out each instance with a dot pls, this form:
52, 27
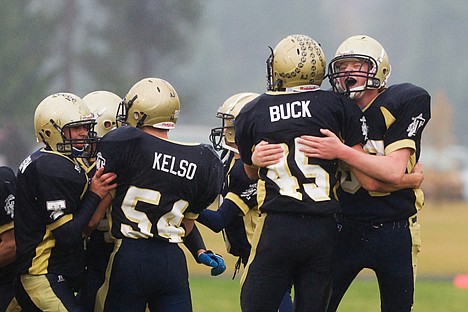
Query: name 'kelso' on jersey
158, 185
168, 163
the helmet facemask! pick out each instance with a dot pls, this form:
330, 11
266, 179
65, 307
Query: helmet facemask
77, 147
224, 137
122, 112
343, 81
218, 136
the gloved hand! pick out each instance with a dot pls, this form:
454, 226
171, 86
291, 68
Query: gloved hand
213, 260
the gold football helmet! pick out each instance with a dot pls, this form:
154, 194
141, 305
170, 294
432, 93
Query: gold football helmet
296, 60
221, 136
54, 117
150, 102
369, 52
103, 105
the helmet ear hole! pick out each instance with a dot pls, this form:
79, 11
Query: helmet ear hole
47, 133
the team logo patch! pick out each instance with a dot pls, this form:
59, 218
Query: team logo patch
417, 123
25, 164
57, 207
250, 192
10, 205
364, 127
100, 161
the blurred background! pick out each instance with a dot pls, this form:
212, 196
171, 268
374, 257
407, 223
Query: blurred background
211, 49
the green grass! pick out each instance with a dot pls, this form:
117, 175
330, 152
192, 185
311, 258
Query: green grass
444, 254
210, 294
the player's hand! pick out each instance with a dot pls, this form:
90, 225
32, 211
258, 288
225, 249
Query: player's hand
326, 147
101, 183
418, 172
266, 154
213, 260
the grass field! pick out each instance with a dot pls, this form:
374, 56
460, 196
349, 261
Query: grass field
222, 294
444, 254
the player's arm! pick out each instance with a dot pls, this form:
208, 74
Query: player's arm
216, 220
266, 154
7, 247
411, 180
195, 244
69, 231
389, 168
98, 214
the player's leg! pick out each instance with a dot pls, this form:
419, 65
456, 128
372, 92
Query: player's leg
6, 293
349, 259
415, 230
267, 275
394, 269
312, 276
97, 257
174, 293
45, 293
286, 304
122, 290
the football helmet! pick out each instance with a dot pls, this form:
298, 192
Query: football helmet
103, 105
375, 66
220, 137
150, 102
53, 118
296, 60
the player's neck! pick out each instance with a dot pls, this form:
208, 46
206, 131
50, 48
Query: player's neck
160, 133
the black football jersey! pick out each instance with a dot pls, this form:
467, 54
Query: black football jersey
396, 119
49, 191
7, 210
242, 191
159, 183
297, 184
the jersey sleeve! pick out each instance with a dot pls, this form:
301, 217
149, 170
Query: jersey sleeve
241, 190
407, 129
112, 148
58, 188
212, 180
243, 126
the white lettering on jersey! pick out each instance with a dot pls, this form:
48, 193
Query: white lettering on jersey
296, 109
56, 206
417, 123
170, 164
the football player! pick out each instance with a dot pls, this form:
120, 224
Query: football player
99, 243
379, 225
162, 187
296, 195
7, 237
237, 214
396, 116
55, 202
